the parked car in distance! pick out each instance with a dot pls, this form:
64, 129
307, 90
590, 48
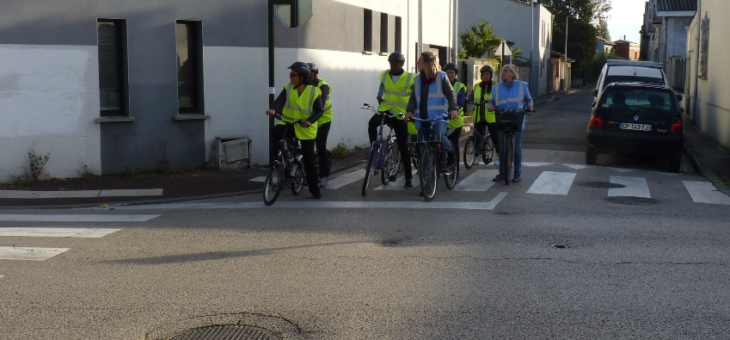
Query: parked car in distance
636, 118
617, 70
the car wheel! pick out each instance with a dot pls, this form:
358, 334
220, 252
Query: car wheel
675, 161
591, 155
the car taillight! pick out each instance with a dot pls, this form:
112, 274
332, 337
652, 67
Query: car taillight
676, 127
595, 122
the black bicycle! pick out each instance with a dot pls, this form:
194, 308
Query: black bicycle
432, 160
478, 145
509, 122
287, 168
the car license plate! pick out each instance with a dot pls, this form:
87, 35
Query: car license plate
635, 127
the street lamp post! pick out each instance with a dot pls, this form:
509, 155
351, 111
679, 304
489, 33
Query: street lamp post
565, 64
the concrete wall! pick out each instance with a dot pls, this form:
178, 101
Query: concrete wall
710, 104
677, 37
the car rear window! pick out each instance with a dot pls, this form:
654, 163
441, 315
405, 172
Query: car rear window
631, 79
638, 99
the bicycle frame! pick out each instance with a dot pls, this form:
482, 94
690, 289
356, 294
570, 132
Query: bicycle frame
383, 146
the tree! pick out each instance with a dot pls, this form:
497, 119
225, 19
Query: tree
478, 41
584, 19
603, 31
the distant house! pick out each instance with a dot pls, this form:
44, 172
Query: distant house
627, 49
669, 18
562, 71
604, 45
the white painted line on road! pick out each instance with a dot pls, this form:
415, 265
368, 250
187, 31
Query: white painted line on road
67, 194
346, 179
260, 179
552, 183
2, 276
76, 218
622, 170
670, 174
635, 187
480, 180
312, 204
56, 232
535, 164
577, 166
130, 192
705, 192
29, 253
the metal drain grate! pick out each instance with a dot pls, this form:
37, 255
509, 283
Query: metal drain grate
630, 200
600, 185
226, 332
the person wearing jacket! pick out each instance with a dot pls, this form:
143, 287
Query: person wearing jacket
508, 95
323, 124
452, 71
300, 100
482, 94
432, 97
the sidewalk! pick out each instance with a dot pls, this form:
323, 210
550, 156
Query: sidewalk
708, 157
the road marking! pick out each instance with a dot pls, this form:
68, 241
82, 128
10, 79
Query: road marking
24, 194
346, 179
670, 174
578, 166
56, 232
29, 253
260, 179
635, 187
130, 192
622, 170
705, 192
535, 164
76, 218
2, 276
480, 180
312, 204
552, 183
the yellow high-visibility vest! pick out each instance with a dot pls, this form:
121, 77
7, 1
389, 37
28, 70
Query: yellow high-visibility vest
301, 106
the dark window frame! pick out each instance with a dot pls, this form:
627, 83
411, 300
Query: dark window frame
398, 34
368, 30
194, 50
122, 68
383, 32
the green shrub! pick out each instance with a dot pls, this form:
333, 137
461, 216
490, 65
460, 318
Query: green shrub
340, 151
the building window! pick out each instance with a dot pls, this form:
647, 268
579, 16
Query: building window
542, 34
112, 41
189, 55
398, 34
368, 30
383, 32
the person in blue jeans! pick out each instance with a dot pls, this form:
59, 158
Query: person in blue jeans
511, 94
432, 97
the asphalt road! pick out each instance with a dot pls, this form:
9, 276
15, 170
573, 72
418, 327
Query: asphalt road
543, 259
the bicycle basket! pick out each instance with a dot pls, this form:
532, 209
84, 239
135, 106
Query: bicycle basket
509, 120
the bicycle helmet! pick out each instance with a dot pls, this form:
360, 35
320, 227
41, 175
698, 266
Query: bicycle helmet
301, 68
313, 67
451, 66
396, 56
486, 68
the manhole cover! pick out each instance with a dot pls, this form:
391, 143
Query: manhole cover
600, 185
226, 332
559, 246
629, 200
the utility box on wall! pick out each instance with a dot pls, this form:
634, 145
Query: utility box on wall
230, 153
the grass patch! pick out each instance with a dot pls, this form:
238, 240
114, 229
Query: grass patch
340, 151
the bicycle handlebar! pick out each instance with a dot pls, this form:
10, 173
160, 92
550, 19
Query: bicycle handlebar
281, 116
389, 113
430, 120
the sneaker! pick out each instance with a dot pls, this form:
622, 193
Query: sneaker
517, 179
408, 185
323, 182
391, 178
499, 178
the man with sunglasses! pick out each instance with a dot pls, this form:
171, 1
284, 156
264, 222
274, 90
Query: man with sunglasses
394, 92
300, 100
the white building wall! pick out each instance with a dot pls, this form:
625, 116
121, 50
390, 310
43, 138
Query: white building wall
50, 97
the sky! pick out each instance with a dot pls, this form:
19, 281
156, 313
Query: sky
626, 18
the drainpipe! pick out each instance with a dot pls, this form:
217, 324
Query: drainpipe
455, 48
697, 71
420, 27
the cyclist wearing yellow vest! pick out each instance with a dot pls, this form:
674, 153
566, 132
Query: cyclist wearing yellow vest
457, 123
394, 92
323, 124
300, 100
483, 119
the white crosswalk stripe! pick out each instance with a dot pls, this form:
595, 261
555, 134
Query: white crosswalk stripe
56, 232
76, 218
346, 179
634, 186
480, 180
705, 192
29, 253
552, 183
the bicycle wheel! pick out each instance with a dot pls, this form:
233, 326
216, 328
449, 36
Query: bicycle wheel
488, 154
428, 174
273, 185
469, 153
509, 160
369, 167
298, 181
392, 164
450, 174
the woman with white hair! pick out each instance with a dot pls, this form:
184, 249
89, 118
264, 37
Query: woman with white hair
511, 94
